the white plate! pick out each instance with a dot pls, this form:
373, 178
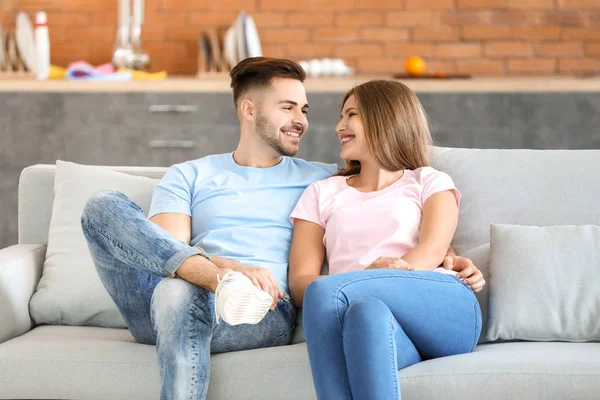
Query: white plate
230, 50
253, 48
26, 41
2, 50
240, 37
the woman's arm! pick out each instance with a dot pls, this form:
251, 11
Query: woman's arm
306, 257
440, 217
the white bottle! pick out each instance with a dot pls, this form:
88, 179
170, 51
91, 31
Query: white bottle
42, 44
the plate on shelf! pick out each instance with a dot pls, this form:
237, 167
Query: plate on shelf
216, 51
253, 48
230, 51
3, 60
240, 37
26, 41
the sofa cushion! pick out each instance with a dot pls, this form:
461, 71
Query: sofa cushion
544, 283
70, 291
91, 363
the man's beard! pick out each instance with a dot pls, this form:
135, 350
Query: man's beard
266, 131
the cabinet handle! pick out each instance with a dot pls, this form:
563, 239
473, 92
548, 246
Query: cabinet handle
172, 108
170, 143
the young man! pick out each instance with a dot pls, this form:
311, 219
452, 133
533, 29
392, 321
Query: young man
220, 226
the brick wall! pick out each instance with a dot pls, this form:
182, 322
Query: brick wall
482, 37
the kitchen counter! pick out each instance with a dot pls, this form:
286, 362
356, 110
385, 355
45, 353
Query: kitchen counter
314, 85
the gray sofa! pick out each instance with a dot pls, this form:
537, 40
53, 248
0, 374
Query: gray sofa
498, 186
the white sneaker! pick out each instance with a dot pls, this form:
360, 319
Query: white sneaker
238, 301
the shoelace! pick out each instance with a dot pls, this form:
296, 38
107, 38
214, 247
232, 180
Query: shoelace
220, 282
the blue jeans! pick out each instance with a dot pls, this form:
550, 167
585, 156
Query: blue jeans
362, 327
132, 256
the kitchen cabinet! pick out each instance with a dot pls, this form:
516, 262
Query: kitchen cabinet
161, 128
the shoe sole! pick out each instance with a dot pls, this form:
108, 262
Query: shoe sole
246, 306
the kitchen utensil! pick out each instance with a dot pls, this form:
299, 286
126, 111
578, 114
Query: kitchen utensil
122, 49
25, 38
138, 59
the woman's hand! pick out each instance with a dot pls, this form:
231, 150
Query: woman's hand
390, 263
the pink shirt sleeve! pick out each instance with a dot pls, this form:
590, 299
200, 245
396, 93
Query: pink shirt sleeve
308, 207
436, 181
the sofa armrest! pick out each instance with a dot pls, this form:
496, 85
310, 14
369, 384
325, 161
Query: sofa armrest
20, 272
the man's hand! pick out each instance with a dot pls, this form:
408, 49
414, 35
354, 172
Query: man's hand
390, 263
467, 272
450, 252
260, 277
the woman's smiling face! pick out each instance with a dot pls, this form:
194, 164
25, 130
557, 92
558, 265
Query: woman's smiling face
351, 133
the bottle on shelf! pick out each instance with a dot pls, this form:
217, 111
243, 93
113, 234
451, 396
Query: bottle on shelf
42, 44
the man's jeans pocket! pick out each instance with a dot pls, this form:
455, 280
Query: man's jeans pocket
289, 310
286, 338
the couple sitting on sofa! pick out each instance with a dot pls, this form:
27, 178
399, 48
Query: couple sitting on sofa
227, 227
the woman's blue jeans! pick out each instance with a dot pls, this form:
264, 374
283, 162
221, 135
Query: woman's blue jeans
362, 327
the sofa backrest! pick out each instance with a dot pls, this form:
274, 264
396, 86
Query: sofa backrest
528, 187
525, 187
36, 197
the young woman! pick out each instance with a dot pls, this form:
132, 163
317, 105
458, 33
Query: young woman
385, 223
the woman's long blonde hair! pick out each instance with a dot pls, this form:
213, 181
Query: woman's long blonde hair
395, 125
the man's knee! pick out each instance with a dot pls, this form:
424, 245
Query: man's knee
105, 206
175, 300
100, 202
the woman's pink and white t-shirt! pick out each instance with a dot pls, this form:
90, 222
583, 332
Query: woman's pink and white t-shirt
361, 227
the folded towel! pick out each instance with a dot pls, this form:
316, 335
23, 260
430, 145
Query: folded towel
82, 70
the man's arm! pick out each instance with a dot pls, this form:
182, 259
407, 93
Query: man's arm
467, 271
451, 252
178, 225
202, 272
196, 269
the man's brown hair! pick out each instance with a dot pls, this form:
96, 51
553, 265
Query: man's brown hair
258, 72
395, 124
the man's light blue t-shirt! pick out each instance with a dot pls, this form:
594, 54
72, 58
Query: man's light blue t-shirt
239, 213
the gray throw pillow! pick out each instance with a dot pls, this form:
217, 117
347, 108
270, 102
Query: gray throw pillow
70, 291
544, 283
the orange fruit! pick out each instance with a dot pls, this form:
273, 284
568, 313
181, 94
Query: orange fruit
415, 65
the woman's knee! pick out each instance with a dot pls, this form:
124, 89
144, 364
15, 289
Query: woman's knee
319, 293
368, 307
